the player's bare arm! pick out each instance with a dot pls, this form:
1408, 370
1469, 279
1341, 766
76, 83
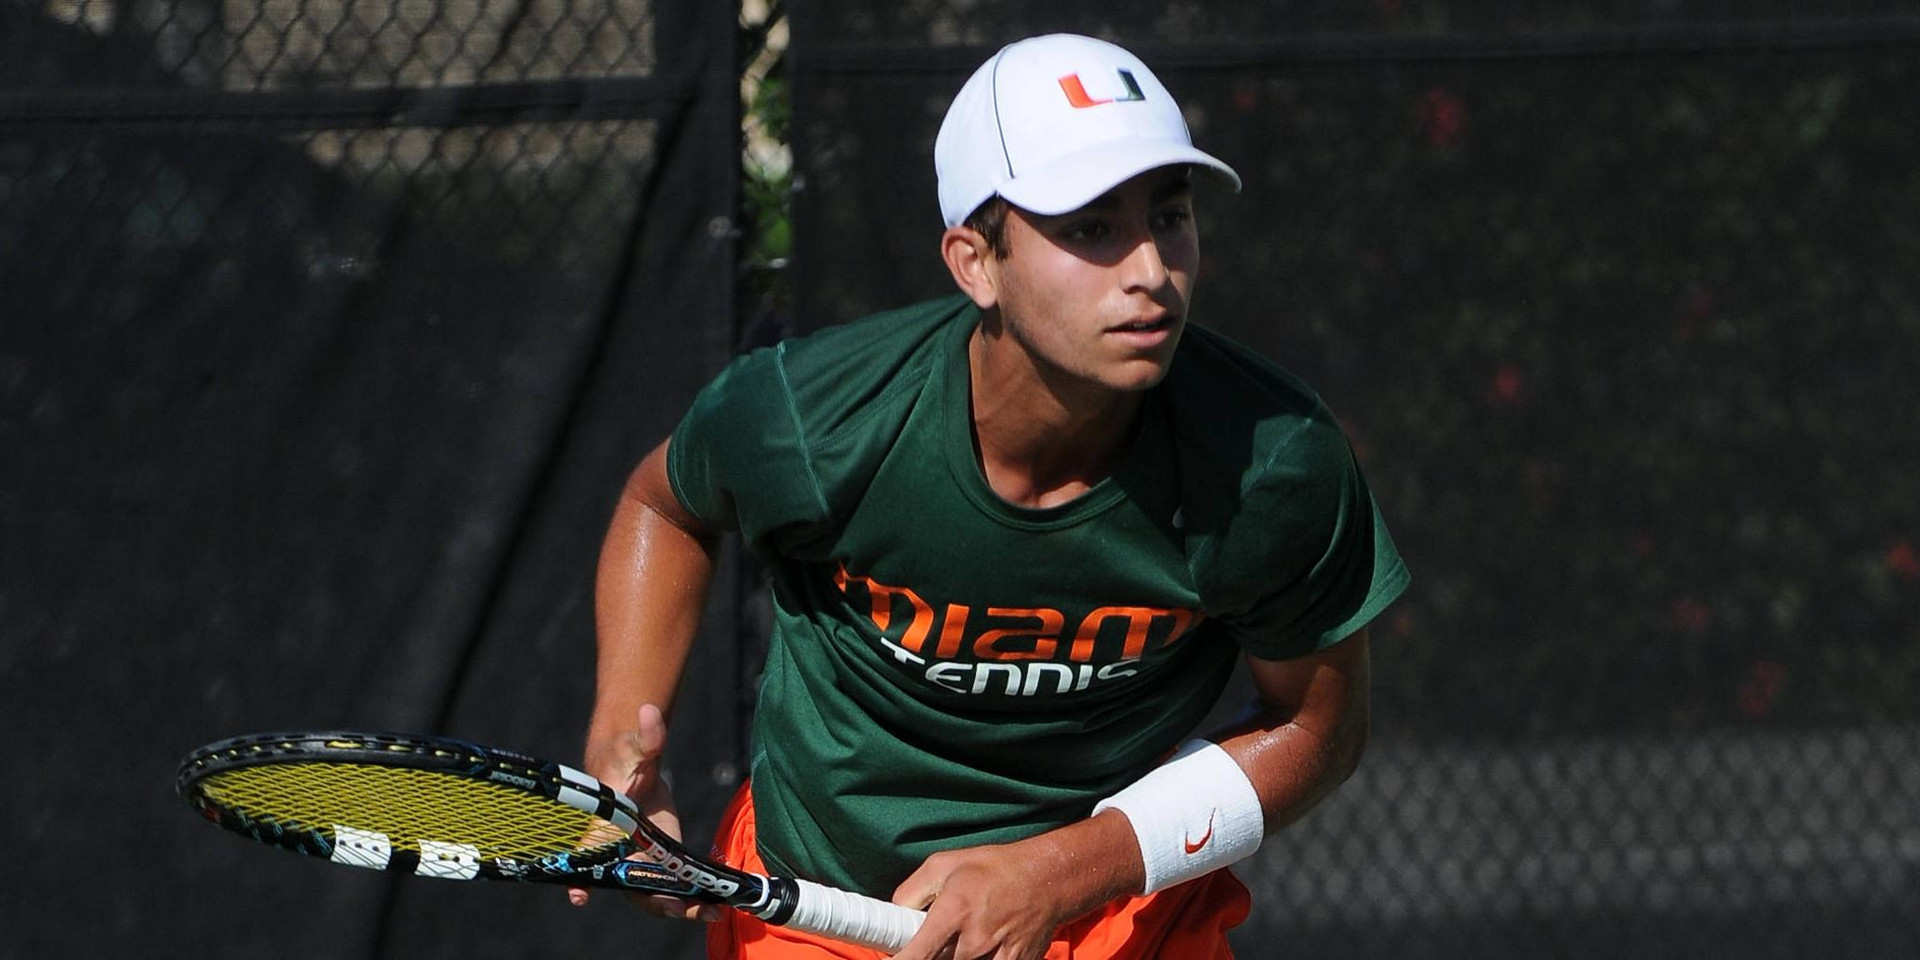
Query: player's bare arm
1311, 729
651, 585
1006, 901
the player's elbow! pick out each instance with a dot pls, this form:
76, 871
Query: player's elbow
1348, 743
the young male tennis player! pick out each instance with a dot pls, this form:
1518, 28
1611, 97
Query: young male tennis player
1017, 541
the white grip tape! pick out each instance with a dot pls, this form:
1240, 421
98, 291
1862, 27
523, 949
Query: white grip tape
1192, 815
852, 918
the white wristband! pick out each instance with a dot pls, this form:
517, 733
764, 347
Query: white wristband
1192, 815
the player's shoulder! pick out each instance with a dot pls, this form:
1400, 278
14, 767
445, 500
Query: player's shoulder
1265, 471
875, 343
788, 435
1235, 407
838, 371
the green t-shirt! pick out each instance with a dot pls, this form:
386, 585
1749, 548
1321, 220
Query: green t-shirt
947, 669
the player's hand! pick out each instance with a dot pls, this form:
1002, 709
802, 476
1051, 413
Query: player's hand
631, 761
981, 902
1005, 901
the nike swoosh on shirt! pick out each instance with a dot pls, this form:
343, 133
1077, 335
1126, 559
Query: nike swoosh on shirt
1195, 846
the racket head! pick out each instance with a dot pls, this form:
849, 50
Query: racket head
432, 806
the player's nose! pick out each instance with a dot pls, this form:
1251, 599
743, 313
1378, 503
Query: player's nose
1144, 268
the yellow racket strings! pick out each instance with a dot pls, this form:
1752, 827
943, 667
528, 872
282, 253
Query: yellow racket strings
408, 806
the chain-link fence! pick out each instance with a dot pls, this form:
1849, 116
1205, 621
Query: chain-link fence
1616, 301
331, 142
328, 331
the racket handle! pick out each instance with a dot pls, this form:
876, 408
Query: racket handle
852, 918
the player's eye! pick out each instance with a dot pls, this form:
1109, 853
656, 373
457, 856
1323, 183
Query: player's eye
1172, 217
1086, 231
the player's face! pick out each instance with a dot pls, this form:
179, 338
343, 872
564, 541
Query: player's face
1101, 293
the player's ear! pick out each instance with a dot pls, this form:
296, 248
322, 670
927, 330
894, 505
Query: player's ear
968, 257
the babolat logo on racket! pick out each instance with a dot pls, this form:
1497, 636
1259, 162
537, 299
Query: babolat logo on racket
678, 866
524, 783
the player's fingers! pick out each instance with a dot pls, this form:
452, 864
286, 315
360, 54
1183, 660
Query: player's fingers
652, 731
913, 894
1010, 951
936, 938
928, 945
577, 896
970, 943
920, 888
638, 753
626, 764
675, 908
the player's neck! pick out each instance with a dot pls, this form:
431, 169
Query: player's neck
1044, 438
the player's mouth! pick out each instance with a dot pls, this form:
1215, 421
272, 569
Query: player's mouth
1146, 331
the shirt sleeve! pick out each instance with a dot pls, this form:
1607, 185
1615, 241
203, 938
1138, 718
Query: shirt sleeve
738, 460
1307, 560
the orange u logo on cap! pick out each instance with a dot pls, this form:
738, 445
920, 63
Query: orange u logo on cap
1077, 93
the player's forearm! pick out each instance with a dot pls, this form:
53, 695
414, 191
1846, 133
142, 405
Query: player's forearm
1293, 767
650, 588
1209, 805
1092, 862
1309, 735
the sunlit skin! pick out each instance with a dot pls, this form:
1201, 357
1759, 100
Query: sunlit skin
1079, 320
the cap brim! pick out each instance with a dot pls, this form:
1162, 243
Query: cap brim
1077, 179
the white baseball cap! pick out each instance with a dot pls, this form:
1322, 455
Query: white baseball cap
1052, 122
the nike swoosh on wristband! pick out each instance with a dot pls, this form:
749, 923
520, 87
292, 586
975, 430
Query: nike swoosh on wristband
1193, 846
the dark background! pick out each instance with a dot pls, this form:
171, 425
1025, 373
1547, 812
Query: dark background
329, 330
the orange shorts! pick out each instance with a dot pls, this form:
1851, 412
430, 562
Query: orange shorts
1187, 921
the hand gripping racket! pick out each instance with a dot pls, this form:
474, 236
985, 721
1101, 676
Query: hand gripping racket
439, 807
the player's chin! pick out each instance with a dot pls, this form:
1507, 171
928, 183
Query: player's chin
1142, 370
1134, 378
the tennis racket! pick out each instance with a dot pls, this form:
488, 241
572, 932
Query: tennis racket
438, 807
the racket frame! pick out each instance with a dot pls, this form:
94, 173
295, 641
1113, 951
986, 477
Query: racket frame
670, 869
604, 866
